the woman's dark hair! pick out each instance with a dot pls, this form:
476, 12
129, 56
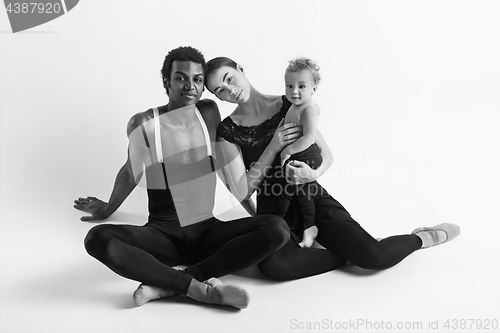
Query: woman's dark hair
183, 53
217, 63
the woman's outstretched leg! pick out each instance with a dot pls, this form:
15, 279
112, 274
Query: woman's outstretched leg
293, 262
340, 233
352, 242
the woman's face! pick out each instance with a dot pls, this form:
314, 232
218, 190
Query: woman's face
229, 84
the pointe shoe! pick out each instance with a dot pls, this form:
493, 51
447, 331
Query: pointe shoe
229, 295
451, 231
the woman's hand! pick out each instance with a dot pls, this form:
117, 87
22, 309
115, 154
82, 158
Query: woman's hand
284, 135
95, 207
298, 172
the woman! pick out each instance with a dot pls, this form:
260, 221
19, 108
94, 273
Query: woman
256, 129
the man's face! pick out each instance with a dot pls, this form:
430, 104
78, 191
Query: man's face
186, 83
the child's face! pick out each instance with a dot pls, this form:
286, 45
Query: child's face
299, 87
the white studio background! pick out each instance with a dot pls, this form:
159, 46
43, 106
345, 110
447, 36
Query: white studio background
410, 108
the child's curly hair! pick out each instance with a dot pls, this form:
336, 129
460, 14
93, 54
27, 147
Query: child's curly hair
301, 63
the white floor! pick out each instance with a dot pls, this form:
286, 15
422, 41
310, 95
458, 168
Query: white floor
50, 284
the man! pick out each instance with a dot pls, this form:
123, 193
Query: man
172, 145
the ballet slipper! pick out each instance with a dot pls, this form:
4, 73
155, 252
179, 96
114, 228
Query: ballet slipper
145, 293
451, 231
226, 294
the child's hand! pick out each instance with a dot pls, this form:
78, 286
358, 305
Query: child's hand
309, 236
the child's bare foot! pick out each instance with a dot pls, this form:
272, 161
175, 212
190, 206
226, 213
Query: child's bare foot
145, 293
309, 236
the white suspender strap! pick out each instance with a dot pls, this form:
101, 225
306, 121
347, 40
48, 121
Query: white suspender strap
205, 131
159, 150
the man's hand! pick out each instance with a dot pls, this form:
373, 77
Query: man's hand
95, 207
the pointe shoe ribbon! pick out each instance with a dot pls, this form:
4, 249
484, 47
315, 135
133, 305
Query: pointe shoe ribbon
451, 231
230, 295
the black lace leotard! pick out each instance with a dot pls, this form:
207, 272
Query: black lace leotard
252, 140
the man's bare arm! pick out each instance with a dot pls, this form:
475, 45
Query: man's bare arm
125, 183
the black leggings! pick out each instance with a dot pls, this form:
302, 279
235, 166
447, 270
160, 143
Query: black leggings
213, 248
344, 240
